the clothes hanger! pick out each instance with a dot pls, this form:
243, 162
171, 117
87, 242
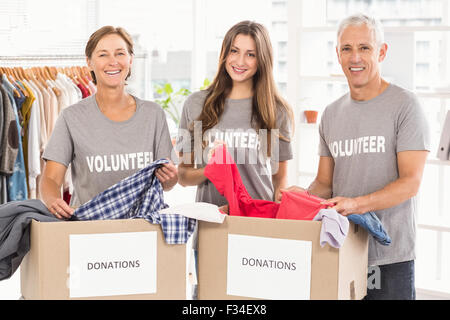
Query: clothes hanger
28, 74
10, 74
87, 73
74, 75
16, 74
67, 71
43, 78
55, 89
52, 72
3, 72
81, 78
46, 73
13, 79
23, 74
33, 74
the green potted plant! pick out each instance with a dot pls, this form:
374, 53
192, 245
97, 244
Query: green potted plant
171, 100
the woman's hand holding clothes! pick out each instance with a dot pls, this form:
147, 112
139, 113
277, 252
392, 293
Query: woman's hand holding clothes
167, 174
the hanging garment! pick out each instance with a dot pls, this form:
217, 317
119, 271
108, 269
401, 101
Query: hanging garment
33, 144
19, 100
17, 183
92, 86
138, 196
84, 91
9, 142
2, 122
67, 196
52, 112
3, 189
334, 228
224, 174
15, 220
373, 225
299, 206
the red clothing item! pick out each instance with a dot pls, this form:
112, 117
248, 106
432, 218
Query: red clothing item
224, 174
67, 196
299, 206
84, 92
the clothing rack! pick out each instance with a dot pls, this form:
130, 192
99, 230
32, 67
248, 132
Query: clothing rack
57, 60
32, 61
43, 57
28, 80
54, 57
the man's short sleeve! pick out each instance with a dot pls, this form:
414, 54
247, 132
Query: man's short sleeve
412, 128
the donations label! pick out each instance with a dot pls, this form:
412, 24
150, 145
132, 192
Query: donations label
268, 268
112, 264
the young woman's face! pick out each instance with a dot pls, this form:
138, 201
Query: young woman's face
241, 63
111, 61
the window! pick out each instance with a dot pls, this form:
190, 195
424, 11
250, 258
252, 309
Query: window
26, 30
165, 51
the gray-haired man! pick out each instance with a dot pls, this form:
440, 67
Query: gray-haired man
374, 142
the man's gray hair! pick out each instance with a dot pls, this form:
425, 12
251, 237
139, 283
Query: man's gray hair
359, 19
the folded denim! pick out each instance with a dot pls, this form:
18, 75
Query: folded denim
373, 225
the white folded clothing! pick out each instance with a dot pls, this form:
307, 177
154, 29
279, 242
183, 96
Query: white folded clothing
197, 210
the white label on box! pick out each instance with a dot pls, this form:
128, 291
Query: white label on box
112, 264
269, 268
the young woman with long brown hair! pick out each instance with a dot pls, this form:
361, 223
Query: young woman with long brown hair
243, 109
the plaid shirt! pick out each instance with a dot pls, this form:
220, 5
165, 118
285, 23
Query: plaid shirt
138, 196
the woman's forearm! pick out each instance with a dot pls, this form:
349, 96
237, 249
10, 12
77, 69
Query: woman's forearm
190, 176
49, 190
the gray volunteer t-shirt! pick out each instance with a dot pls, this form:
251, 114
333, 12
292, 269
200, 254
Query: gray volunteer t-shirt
101, 151
364, 137
245, 144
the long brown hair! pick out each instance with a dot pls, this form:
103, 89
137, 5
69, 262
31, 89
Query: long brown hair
267, 102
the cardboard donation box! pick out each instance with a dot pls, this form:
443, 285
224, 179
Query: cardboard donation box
258, 258
108, 259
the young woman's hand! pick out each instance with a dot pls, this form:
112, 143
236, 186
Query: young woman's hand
290, 189
225, 209
217, 144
